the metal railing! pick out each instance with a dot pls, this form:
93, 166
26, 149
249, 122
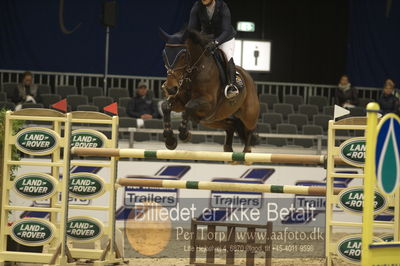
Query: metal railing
80, 80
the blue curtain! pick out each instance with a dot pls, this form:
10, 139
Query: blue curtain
31, 37
374, 42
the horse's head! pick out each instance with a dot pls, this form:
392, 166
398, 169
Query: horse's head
175, 56
182, 53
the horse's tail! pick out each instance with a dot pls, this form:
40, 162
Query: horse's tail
240, 130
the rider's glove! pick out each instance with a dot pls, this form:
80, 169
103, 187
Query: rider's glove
212, 46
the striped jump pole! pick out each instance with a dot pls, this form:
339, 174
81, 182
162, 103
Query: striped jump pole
202, 155
221, 186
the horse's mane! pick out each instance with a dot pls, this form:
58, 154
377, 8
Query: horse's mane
196, 37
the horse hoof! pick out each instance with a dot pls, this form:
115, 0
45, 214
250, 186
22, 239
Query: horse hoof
228, 148
234, 163
248, 163
171, 143
185, 137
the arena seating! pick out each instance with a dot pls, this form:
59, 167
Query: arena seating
117, 93
293, 114
32, 105
9, 89
49, 99
64, 91
91, 92
294, 100
87, 107
76, 100
3, 96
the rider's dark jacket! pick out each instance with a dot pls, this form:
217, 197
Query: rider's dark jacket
220, 26
140, 106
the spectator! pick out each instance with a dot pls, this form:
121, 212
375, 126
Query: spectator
141, 106
391, 84
26, 91
346, 95
396, 91
388, 102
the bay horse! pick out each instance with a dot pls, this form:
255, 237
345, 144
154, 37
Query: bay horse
194, 87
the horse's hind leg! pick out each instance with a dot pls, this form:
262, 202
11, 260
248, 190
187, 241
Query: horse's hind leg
229, 140
184, 133
229, 128
170, 139
248, 143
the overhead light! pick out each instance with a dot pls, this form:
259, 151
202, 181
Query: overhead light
246, 26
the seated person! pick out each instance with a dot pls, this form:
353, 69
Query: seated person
388, 102
392, 84
26, 92
141, 106
346, 96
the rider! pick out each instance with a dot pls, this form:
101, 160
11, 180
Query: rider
213, 17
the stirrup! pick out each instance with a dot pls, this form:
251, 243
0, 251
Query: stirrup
231, 91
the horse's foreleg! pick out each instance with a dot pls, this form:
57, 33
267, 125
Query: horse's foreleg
184, 133
170, 139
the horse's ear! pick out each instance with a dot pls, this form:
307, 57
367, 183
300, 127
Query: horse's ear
165, 36
185, 34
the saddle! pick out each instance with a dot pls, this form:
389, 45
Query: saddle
222, 65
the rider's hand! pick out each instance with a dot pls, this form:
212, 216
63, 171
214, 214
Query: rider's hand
146, 116
212, 46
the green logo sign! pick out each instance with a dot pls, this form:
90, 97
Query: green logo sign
387, 237
37, 141
352, 151
84, 229
32, 232
352, 199
35, 186
85, 186
85, 138
349, 248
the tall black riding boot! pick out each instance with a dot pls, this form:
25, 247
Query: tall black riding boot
231, 89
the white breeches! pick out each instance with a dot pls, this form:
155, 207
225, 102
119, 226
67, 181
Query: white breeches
228, 48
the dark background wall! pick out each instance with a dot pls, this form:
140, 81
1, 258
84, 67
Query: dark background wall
31, 38
374, 43
312, 41
308, 37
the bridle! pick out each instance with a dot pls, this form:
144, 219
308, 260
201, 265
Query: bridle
188, 69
